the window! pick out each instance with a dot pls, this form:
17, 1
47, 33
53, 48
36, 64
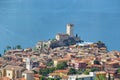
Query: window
23, 76
9, 74
82, 78
91, 78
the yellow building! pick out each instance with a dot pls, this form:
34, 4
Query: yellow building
58, 61
60, 73
100, 74
11, 72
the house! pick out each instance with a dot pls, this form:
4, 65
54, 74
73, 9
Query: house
10, 52
91, 76
54, 75
62, 73
59, 73
60, 60
28, 75
80, 65
99, 67
61, 37
101, 73
77, 64
4, 78
112, 65
37, 76
12, 72
21, 79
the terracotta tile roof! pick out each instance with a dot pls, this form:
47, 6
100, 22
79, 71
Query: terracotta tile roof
75, 60
61, 71
69, 55
112, 72
117, 59
21, 79
112, 62
96, 65
101, 72
17, 50
37, 75
65, 78
10, 67
86, 60
53, 74
4, 78
103, 48
63, 59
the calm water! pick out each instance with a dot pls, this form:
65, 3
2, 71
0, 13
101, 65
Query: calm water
25, 22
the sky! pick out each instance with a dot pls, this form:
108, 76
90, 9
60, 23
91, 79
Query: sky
25, 22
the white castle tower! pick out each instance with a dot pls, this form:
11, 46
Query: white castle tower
69, 30
28, 64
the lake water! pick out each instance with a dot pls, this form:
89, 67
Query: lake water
25, 22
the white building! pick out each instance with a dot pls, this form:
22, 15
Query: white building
69, 33
84, 43
12, 72
61, 37
28, 75
91, 76
41, 44
69, 30
28, 64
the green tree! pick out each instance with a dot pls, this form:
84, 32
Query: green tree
53, 79
101, 44
118, 70
8, 47
50, 79
87, 71
42, 78
79, 71
109, 77
50, 63
51, 69
62, 65
100, 77
94, 69
5, 51
72, 71
18, 47
46, 71
96, 62
35, 72
76, 35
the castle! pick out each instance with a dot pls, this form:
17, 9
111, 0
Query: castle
69, 33
61, 39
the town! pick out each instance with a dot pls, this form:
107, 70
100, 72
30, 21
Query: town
67, 57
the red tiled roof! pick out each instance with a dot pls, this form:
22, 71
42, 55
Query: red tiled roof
62, 71
37, 75
4, 78
101, 72
63, 59
112, 62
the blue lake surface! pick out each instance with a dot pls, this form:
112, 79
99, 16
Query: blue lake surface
25, 22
